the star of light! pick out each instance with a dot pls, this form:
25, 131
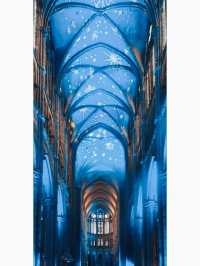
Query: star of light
101, 3
83, 110
88, 29
109, 146
104, 132
75, 71
126, 51
113, 59
73, 24
89, 88
94, 153
95, 36
90, 72
114, 29
120, 12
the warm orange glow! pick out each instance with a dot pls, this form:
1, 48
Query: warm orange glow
138, 56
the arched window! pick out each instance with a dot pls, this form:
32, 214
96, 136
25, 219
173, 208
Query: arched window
100, 228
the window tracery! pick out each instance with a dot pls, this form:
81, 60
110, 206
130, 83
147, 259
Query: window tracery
100, 229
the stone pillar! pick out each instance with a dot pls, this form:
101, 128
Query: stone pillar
123, 223
151, 218
162, 221
138, 230
151, 235
37, 216
49, 231
62, 241
61, 224
76, 226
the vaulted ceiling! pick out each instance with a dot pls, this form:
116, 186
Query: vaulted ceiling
100, 49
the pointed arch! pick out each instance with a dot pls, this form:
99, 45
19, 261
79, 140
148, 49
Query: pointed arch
152, 180
47, 178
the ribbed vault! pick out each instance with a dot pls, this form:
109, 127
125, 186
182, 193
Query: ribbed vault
100, 211
100, 48
100, 194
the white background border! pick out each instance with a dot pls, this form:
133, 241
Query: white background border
16, 188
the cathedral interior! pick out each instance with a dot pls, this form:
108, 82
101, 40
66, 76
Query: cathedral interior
99, 132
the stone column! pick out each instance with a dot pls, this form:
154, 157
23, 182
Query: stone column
37, 216
76, 226
123, 223
138, 230
49, 231
62, 241
151, 220
151, 236
162, 221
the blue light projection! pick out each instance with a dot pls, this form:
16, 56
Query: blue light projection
100, 56
47, 178
129, 263
139, 208
60, 211
100, 148
101, 52
60, 203
34, 155
152, 181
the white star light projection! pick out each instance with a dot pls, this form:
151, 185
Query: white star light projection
99, 75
